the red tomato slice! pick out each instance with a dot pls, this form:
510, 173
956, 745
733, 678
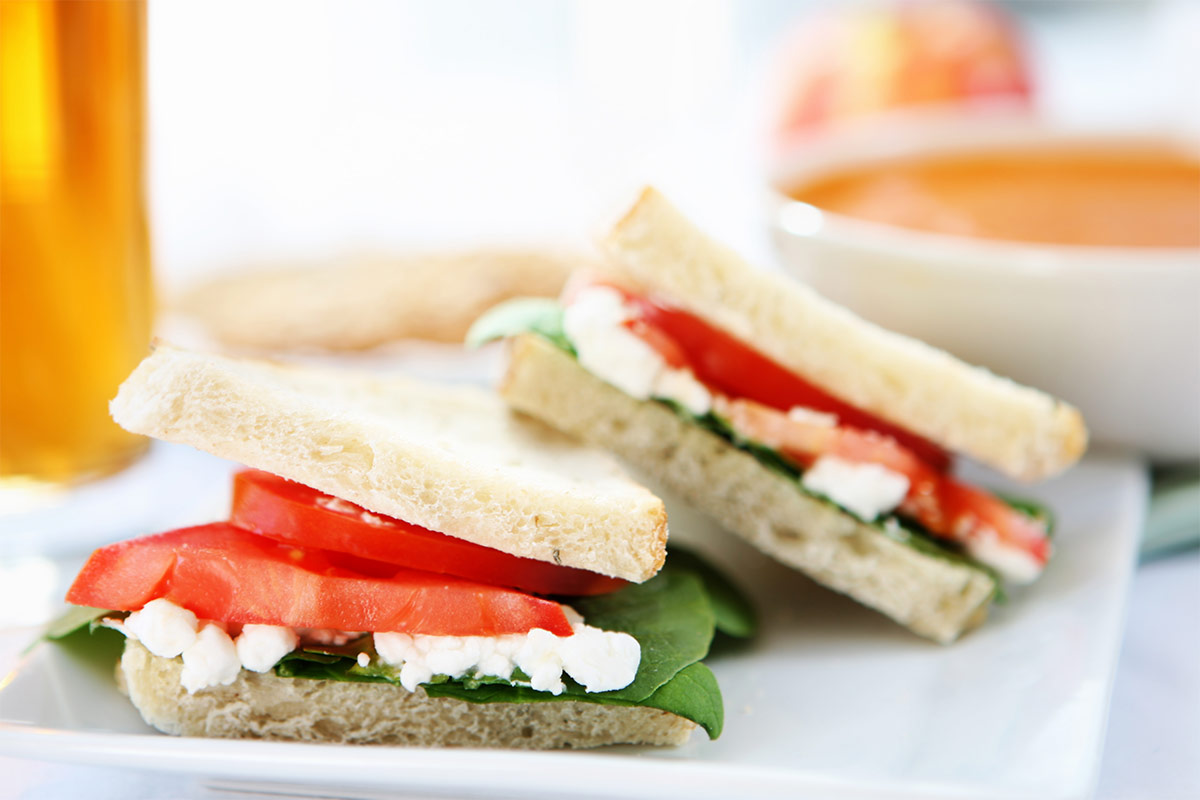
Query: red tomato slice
734, 369
297, 514
946, 507
224, 573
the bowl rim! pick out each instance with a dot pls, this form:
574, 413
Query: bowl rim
961, 133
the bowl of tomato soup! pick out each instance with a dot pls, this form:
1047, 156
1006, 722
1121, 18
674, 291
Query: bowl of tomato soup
1066, 260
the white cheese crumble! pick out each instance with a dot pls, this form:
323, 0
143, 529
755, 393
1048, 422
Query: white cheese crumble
162, 627
810, 416
681, 386
601, 661
865, 490
210, 656
211, 660
259, 647
1014, 564
595, 324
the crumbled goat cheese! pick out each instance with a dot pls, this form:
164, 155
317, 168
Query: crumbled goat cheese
211, 660
681, 386
865, 490
210, 657
1014, 564
601, 661
259, 647
162, 627
595, 324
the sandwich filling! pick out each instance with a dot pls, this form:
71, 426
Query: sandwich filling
868, 467
265, 592
215, 652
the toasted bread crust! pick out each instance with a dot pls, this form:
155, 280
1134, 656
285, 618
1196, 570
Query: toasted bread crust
1021, 431
934, 597
449, 458
269, 707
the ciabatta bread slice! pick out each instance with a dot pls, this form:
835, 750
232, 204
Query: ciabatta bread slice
359, 301
968, 410
933, 596
453, 459
265, 706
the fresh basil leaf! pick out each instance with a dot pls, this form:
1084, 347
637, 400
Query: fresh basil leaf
733, 613
538, 315
73, 619
692, 694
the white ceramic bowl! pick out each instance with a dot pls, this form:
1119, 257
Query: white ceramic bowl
1115, 331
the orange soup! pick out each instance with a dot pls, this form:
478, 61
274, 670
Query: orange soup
1122, 197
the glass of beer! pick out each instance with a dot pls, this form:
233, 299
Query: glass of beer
75, 290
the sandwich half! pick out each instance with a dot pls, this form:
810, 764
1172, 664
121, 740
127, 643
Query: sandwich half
403, 563
818, 437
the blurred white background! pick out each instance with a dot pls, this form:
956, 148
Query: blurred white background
289, 128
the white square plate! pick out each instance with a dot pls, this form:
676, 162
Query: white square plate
830, 700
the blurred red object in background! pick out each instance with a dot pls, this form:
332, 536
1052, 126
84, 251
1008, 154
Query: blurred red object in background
850, 63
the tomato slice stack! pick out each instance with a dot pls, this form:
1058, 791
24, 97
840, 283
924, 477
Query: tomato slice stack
293, 556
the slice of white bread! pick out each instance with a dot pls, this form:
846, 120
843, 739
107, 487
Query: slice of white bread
360, 301
932, 596
264, 706
965, 409
452, 459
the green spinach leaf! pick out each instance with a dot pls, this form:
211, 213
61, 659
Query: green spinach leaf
692, 694
734, 615
73, 619
671, 617
521, 315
